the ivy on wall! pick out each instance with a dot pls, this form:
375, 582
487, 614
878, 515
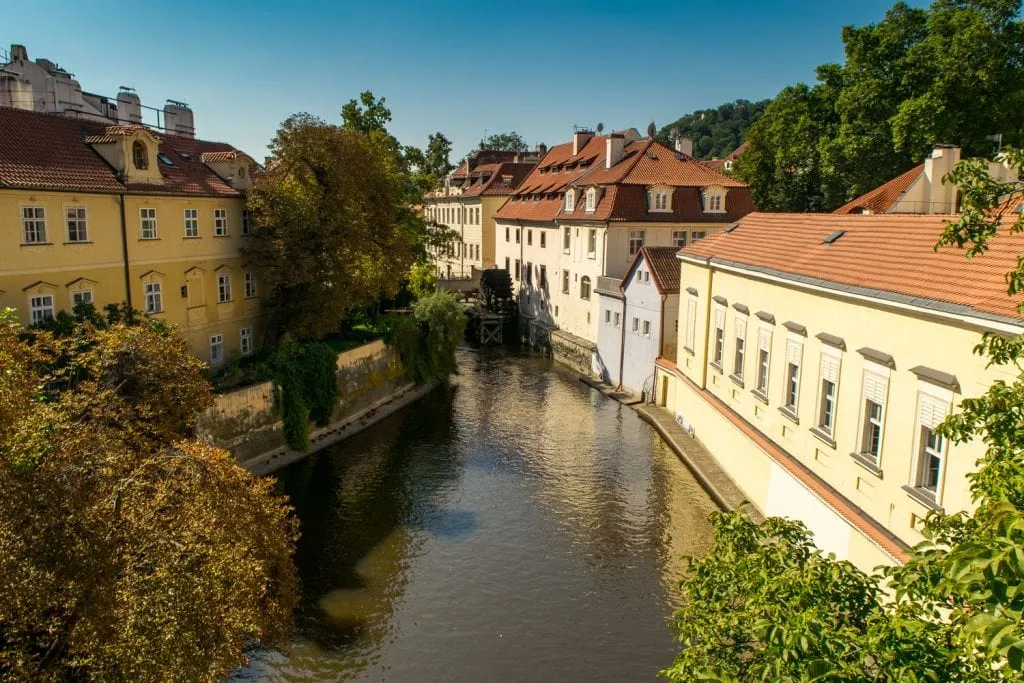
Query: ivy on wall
307, 388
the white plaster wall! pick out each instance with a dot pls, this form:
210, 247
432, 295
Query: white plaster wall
787, 497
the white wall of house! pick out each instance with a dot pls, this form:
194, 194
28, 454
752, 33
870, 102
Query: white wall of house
609, 337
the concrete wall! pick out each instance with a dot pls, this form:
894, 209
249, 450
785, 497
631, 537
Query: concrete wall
247, 423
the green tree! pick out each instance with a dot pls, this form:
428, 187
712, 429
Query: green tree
127, 552
716, 132
422, 280
436, 158
508, 142
950, 73
426, 342
764, 604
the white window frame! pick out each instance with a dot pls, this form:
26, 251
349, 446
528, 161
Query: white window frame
607, 316
566, 285
618, 319
592, 243
224, 288
246, 226
698, 235
41, 308
647, 328
216, 349
635, 326
718, 350
679, 239
191, 224
829, 373
250, 285
81, 296
591, 200
739, 356
245, 340
566, 239
33, 225
79, 220
875, 390
934, 405
570, 201
585, 280
153, 295
636, 241
764, 359
220, 222
794, 363
148, 229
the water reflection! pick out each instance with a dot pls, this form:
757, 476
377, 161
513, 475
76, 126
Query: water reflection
513, 526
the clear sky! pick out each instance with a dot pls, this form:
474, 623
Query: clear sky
461, 68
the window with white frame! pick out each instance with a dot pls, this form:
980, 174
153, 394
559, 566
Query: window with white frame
216, 348
691, 321
543, 276
507, 234
873, 416
223, 288
607, 317
931, 447
592, 243
147, 224
75, 219
698, 235
82, 296
678, 239
246, 228
719, 350
245, 340
154, 297
191, 222
591, 199
585, 288
714, 201
40, 308
828, 393
636, 241
220, 222
764, 359
543, 242
518, 267
618, 319
250, 285
566, 239
741, 346
529, 238
647, 328
794, 355
33, 225
570, 200
565, 282
659, 200
636, 325
647, 276
518, 235
639, 275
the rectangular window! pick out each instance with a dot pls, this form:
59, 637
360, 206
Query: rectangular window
517, 270
245, 340
592, 243
636, 325
147, 224
529, 274
929, 468
794, 352
506, 233
191, 222
223, 288
41, 308
698, 235
719, 337
566, 239
529, 238
607, 317
33, 225
691, 322
617, 320
647, 276
83, 296
647, 328
246, 229
507, 264
216, 348
639, 275
585, 291
565, 282
154, 300
827, 402
220, 222
678, 239
77, 231
875, 387
741, 344
250, 285
764, 351
517, 235
543, 239
543, 277
636, 241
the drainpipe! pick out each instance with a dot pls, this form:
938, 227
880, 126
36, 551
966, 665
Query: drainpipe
707, 330
622, 338
124, 256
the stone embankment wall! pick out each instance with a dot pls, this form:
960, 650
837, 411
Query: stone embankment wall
371, 382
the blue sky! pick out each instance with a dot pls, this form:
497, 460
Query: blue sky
460, 68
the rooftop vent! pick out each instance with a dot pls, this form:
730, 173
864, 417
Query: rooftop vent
732, 226
834, 236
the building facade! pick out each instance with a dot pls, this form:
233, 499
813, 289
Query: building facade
110, 214
817, 354
583, 214
467, 204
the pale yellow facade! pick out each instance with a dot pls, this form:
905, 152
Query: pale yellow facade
472, 219
879, 353
185, 276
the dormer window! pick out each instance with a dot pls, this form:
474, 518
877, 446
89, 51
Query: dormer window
591, 199
139, 155
570, 200
659, 199
241, 172
714, 200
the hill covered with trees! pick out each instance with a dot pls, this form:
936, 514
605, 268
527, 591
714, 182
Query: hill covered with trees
716, 132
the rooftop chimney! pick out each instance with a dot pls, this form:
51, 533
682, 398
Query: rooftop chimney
684, 146
129, 106
614, 144
178, 119
579, 140
19, 52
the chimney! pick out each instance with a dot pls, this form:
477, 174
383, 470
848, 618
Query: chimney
614, 144
579, 140
19, 53
685, 146
940, 197
178, 119
129, 106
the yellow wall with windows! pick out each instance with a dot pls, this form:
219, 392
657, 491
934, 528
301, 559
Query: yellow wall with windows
912, 338
173, 259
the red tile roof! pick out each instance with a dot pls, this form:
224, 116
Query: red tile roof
889, 254
719, 164
645, 163
664, 268
50, 152
883, 198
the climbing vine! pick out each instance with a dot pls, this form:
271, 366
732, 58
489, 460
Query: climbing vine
306, 379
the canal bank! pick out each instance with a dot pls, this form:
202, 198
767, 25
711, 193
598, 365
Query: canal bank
513, 525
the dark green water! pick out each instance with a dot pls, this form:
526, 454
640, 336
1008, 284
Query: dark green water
515, 526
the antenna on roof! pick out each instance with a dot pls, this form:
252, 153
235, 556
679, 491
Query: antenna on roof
651, 129
600, 128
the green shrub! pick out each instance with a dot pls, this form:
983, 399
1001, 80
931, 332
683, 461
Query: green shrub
426, 342
306, 376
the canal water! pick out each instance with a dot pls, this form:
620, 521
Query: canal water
514, 526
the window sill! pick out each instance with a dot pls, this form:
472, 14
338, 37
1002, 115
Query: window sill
823, 436
191, 237
689, 350
591, 255
160, 312
226, 302
78, 242
760, 396
225, 235
924, 497
868, 463
788, 413
149, 239
717, 367
37, 244
250, 298
738, 381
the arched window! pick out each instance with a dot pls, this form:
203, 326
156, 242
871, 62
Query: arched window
585, 287
570, 200
139, 155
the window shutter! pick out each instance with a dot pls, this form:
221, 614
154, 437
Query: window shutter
691, 322
741, 327
933, 411
793, 352
720, 318
830, 368
764, 339
874, 388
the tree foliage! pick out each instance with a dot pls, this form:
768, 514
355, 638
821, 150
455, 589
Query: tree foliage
306, 378
426, 342
950, 73
507, 142
716, 132
422, 280
126, 551
764, 604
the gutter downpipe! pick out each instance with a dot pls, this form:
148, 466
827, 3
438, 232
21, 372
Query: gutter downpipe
124, 256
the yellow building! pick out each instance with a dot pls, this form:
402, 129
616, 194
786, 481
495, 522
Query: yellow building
467, 203
816, 355
107, 214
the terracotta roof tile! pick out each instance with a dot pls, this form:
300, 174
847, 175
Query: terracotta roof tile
883, 198
892, 253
